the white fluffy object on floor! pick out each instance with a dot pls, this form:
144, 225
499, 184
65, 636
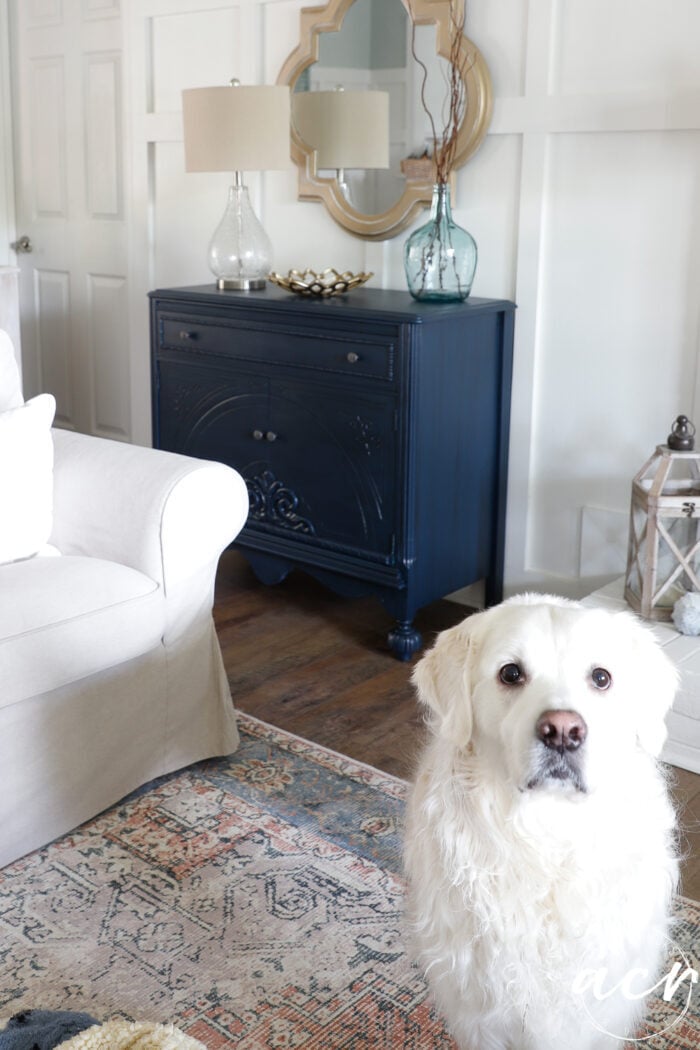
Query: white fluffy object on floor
132, 1035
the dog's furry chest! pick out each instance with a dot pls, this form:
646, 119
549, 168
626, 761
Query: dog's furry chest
557, 906
514, 897
547, 877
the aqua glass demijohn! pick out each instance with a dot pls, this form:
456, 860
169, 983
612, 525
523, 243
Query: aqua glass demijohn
440, 257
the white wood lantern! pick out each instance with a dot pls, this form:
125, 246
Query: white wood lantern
663, 560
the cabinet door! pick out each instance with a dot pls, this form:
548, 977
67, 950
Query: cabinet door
334, 455
203, 412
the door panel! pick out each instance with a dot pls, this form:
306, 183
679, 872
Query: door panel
68, 117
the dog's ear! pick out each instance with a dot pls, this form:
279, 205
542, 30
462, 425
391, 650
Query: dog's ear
443, 682
658, 684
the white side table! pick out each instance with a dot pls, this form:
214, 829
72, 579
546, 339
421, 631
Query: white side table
682, 747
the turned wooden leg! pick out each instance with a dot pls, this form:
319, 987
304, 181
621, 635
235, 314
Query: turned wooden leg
404, 640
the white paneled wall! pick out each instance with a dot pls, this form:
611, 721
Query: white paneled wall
604, 100
613, 328
584, 200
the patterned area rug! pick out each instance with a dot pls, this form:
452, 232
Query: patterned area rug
254, 901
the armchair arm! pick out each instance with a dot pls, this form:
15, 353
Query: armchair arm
164, 514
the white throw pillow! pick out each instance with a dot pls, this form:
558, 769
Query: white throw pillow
26, 477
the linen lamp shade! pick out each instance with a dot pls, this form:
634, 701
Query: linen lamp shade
236, 128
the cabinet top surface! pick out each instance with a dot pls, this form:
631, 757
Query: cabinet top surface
360, 302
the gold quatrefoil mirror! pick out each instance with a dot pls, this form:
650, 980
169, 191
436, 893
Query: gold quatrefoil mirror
360, 134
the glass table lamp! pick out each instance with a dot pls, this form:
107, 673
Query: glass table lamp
237, 129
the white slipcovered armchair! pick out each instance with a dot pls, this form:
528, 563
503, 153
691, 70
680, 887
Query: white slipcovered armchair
110, 668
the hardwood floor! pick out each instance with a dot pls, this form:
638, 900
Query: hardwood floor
317, 665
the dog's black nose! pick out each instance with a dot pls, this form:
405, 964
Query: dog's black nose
561, 730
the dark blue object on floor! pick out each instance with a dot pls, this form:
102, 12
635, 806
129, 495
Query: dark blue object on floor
43, 1029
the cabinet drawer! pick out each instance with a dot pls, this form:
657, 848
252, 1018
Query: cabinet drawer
349, 354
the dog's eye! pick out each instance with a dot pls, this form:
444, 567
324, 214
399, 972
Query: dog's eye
601, 678
511, 674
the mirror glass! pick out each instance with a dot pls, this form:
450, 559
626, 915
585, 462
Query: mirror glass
372, 52
367, 157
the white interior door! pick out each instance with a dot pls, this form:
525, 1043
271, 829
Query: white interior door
68, 117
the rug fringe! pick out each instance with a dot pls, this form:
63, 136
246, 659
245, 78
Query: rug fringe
244, 717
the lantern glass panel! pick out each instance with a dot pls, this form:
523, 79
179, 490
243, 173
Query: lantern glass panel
677, 536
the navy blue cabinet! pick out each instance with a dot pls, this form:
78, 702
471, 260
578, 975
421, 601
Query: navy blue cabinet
371, 430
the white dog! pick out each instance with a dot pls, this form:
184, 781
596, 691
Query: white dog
540, 836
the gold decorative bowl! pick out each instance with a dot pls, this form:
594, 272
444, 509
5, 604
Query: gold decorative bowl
308, 282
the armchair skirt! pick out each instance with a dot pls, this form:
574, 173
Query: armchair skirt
110, 668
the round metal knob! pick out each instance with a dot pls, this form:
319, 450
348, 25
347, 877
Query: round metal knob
22, 246
258, 435
271, 436
352, 357
186, 335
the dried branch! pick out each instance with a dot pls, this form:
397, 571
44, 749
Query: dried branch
445, 140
